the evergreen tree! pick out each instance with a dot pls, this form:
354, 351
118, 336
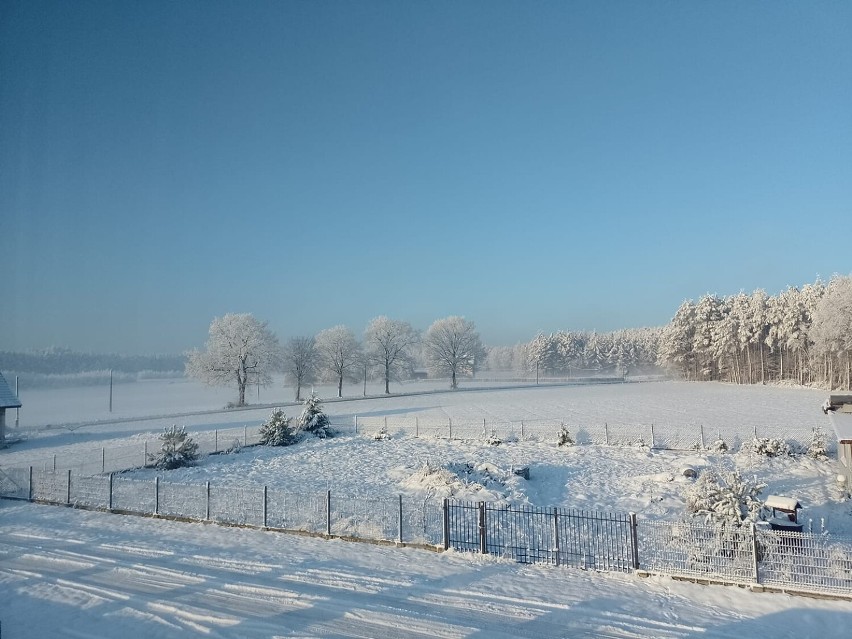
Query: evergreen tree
278, 430
313, 419
178, 449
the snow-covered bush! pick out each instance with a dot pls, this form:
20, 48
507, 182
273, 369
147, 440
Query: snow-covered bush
382, 434
817, 448
313, 420
493, 439
767, 447
724, 497
278, 430
719, 446
564, 438
178, 449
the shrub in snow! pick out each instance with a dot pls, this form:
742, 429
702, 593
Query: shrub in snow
767, 447
382, 435
235, 447
313, 420
564, 438
278, 430
178, 449
719, 446
724, 497
641, 443
817, 448
493, 439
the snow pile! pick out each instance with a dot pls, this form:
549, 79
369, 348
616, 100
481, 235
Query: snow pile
465, 481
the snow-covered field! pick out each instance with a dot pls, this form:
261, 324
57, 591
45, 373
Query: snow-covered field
107, 575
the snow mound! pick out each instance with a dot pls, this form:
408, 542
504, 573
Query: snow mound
464, 481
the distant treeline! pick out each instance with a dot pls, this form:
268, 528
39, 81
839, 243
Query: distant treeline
62, 361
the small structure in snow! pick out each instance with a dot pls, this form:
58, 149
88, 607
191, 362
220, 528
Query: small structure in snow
787, 505
8, 399
839, 411
522, 471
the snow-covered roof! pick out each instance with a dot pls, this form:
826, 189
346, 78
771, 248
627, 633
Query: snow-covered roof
8, 399
842, 425
787, 504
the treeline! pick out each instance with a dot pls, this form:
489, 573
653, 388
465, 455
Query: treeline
578, 353
63, 361
802, 335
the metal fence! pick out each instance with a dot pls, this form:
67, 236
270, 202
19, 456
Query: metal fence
803, 562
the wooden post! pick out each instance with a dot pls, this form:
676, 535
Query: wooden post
522, 429
17, 409
207, 508
400, 519
754, 552
110, 492
556, 533
755, 432
54, 462
483, 537
157, 495
416, 427
216, 441
264, 506
103, 460
110, 390
634, 538
144, 453
68, 493
446, 523
606, 434
652, 434
702, 436
451, 426
245, 434
328, 512
30, 488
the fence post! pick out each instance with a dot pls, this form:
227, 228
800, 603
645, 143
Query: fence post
356, 424
701, 427
652, 434
216, 441
416, 427
556, 532
483, 540
386, 423
606, 434
754, 552
110, 492
245, 435
30, 488
446, 523
264, 506
54, 462
328, 513
451, 427
755, 432
68, 494
207, 508
157, 495
634, 539
103, 460
400, 519
145, 454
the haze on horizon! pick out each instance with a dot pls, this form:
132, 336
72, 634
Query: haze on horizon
583, 165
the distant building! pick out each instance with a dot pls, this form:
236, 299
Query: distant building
8, 399
839, 409
420, 373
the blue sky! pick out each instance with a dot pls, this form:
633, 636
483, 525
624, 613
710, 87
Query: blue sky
529, 165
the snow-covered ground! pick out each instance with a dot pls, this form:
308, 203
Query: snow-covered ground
98, 575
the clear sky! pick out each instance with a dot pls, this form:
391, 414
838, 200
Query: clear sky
529, 165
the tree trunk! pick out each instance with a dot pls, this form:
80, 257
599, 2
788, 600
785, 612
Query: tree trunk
453, 383
387, 378
340, 385
298, 389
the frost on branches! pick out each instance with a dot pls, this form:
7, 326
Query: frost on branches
178, 449
724, 497
818, 448
564, 437
278, 430
313, 420
767, 447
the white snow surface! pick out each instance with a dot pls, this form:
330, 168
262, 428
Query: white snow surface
72, 573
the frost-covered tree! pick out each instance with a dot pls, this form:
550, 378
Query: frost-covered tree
724, 497
300, 359
389, 346
278, 430
452, 347
676, 342
240, 349
177, 449
313, 420
339, 354
832, 332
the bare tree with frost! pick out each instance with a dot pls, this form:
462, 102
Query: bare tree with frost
301, 359
389, 346
339, 353
240, 349
452, 347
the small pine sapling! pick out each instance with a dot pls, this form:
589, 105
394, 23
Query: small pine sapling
178, 449
493, 439
278, 430
313, 419
767, 447
564, 437
817, 448
724, 497
382, 434
719, 446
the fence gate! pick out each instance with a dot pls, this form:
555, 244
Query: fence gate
529, 534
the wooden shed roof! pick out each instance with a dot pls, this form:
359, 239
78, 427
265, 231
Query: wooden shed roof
8, 399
